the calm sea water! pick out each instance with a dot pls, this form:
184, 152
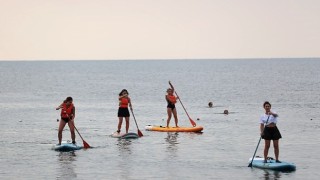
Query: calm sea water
30, 91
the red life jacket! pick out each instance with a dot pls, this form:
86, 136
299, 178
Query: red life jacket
172, 99
124, 102
66, 112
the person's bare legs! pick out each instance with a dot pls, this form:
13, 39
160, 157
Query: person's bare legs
276, 149
71, 127
61, 126
127, 124
266, 149
169, 111
174, 111
119, 124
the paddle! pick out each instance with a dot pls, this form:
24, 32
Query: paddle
85, 144
250, 165
191, 121
139, 132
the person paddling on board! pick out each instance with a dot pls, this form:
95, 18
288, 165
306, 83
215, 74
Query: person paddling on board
269, 131
67, 116
123, 112
171, 108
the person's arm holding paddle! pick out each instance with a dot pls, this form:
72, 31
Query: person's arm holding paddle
130, 103
59, 107
177, 97
73, 115
171, 86
262, 125
273, 114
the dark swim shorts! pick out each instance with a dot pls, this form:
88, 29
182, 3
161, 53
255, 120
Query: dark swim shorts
65, 119
123, 112
171, 106
271, 133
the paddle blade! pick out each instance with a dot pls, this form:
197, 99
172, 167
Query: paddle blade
192, 122
140, 133
85, 145
250, 165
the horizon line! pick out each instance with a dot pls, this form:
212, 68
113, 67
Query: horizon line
160, 59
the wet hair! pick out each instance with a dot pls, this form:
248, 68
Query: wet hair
265, 103
123, 90
210, 104
169, 89
68, 99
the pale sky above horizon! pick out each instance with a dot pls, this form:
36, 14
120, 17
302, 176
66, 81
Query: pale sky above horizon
166, 29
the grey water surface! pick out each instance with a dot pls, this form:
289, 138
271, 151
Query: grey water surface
30, 91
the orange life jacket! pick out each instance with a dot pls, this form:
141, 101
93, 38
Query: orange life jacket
66, 112
172, 99
124, 102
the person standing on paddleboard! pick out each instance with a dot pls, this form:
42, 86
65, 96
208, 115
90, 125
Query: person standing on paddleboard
123, 111
269, 131
171, 107
67, 116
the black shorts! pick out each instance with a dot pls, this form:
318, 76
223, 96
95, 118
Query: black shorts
271, 133
171, 106
65, 119
123, 112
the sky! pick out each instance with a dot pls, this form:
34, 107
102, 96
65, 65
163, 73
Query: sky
158, 29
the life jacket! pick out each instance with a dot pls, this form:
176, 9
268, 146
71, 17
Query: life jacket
124, 102
172, 99
67, 112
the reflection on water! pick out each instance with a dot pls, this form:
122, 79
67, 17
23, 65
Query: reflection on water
270, 174
66, 166
125, 153
172, 140
124, 146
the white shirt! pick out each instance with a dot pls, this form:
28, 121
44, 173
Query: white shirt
272, 119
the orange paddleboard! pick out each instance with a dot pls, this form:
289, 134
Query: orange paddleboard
173, 129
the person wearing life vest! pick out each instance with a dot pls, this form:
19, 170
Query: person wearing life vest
123, 112
171, 108
67, 116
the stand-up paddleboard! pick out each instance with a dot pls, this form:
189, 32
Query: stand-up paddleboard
173, 129
129, 135
272, 164
67, 146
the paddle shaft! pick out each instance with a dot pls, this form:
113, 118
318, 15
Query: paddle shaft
134, 119
192, 122
139, 132
85, 144
77, 131
250, 165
